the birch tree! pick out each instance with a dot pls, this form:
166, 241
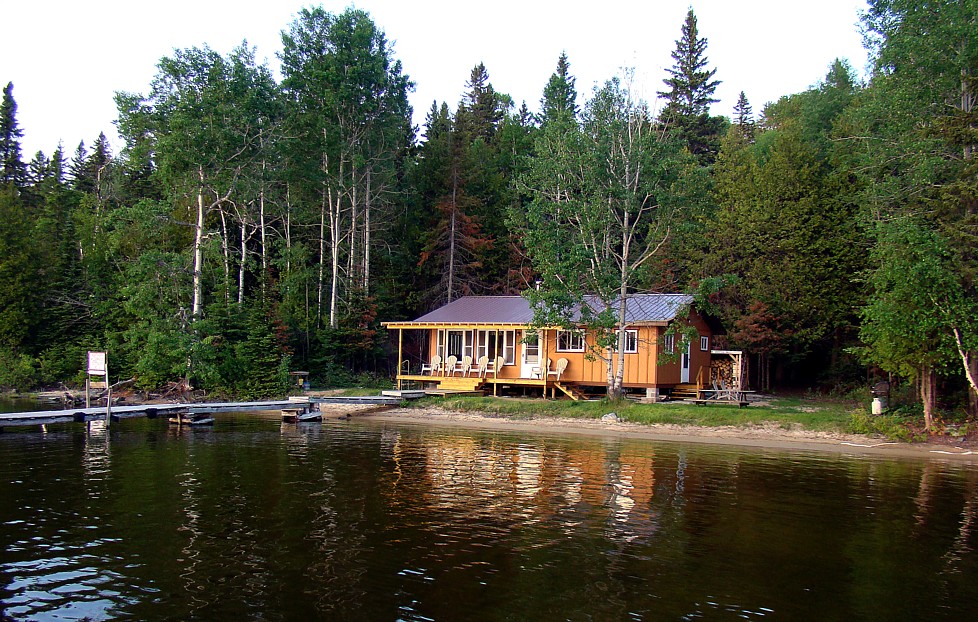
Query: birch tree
347, 99
607, 194
917, 129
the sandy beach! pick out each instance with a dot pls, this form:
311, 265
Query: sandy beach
766, 436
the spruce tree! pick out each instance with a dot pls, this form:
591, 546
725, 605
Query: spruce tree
691, 84
481, 109
560, 94
691, 87
12, 168
78, 170
744, 118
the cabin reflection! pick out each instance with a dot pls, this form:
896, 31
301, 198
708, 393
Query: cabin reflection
609, 489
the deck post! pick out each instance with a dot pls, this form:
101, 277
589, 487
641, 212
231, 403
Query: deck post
400, 343
496, 366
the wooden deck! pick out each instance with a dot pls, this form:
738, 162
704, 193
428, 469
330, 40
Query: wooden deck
487, 384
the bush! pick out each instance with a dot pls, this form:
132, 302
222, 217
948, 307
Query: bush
17, 371
894, 426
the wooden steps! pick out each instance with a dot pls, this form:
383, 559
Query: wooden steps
685, 391
571, 392
461, 383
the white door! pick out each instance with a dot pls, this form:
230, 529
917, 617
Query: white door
530, 360
684, 367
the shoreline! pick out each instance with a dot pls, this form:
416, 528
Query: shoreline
764, 437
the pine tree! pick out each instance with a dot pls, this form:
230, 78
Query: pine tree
12, 168
481, 111
38, 169
77, 170
560, 94
691, 87
744, 118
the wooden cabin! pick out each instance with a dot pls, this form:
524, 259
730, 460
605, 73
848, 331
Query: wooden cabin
486, 343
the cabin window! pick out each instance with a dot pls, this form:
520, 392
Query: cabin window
509, 347
669, 343
705, 344
631, 341
493, 343
570, 341
458, 343
531, 348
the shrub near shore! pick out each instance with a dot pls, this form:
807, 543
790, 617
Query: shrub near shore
788, 413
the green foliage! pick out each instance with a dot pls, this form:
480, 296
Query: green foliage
786, 225
18, 272
605, 194
17, 371
263, 357
894, 427
560, 95
917, 301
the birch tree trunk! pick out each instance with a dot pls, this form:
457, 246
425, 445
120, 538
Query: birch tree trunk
335, 238
226, 252
242, 261
321, 280
366, 239
264, 238
198, 282
351, 263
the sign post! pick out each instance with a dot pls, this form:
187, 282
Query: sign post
98, 365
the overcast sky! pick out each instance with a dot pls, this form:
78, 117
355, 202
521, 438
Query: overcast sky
66, 58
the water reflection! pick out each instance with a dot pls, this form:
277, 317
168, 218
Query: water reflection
255, 519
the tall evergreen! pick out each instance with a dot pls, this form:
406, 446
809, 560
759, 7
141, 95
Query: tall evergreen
690, 93
560, 95
481, 109
12, 168
744, 118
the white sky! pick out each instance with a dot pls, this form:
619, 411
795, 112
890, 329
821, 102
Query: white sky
67, 58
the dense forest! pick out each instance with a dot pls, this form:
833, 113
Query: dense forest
253, 224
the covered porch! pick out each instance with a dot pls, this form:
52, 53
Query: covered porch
480, 357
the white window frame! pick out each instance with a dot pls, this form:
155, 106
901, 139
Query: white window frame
631, 341
669, 343
704, 343
465, 341
572, 336
506, 341
509, 347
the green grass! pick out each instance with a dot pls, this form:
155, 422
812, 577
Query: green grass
821, 414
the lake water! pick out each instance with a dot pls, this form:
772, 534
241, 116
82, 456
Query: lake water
254, 519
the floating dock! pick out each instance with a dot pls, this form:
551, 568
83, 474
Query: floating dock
299, 407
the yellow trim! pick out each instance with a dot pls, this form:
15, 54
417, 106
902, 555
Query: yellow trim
492, 325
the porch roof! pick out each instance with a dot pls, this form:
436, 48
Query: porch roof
516, 310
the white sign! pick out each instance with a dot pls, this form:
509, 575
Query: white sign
96, 363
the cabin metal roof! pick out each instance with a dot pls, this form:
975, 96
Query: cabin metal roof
641, 308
